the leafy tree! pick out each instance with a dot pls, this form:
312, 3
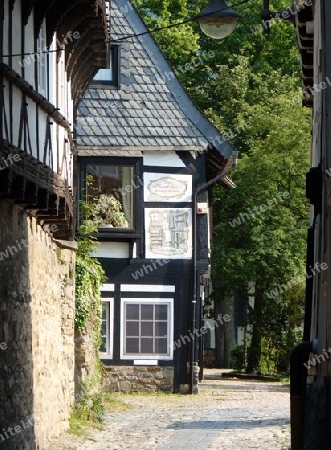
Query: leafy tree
249, 87
179, 43
265, 247
182, 43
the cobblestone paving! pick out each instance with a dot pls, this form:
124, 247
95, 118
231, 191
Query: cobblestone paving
227, 414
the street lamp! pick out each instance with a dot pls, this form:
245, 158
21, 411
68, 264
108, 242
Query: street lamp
217, 20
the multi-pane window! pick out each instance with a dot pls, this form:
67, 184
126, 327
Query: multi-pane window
110, 188
42, 60
147, 329
106, 347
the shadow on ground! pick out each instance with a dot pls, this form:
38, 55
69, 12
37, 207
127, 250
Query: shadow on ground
228, 424
248, 386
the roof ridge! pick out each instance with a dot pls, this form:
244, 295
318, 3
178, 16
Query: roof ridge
202, 123
148, 110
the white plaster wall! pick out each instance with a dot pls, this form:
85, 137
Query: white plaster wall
29, 69
112, 250
16, 33
6, 31
16, 106
162, 159
59, 92
6, 107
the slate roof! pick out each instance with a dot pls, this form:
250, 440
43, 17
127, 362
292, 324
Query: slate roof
151, 110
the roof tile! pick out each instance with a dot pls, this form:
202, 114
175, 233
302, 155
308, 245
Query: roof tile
145, 110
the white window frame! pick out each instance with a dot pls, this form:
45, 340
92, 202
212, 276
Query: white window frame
109, 329
149, 356
42, 60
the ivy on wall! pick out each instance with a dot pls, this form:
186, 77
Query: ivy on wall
89, 273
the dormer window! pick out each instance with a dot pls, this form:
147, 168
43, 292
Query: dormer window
110, 76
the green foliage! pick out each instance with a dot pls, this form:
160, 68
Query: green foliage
91, 407
108, 211
267, 246
238, 354
89, 274
251, 82
180, 42
89, 278
88, 411
280, 333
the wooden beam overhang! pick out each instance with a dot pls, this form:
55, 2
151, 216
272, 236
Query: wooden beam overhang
88, 18
215, 164
78, 53
83, 74
34, 186
304, 19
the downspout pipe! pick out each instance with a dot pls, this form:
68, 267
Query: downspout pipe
298, 375
198, 190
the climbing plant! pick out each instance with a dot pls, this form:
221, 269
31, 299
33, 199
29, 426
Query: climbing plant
89, 272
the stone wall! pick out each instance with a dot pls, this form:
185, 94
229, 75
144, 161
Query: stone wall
85, 357
139, 378
37, 331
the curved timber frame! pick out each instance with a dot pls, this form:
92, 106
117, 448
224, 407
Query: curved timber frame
87, 17
33, 182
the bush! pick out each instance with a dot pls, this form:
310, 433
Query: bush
238, 355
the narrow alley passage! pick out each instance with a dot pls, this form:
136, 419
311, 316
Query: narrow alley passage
227, 414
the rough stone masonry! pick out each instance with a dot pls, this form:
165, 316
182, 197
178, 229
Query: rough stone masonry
36, 333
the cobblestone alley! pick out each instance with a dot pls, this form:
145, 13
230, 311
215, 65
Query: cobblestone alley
227, 414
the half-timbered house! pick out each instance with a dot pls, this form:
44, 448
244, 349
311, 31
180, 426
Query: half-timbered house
49, 51
146, 152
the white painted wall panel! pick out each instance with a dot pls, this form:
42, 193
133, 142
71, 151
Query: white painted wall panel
5, 32
16, 34
52, 73
6, 109
42, 131
58, 93
60, 149
32, 127
112, 250
147, 288
107, 287
162, 159
29, 69
17, 103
